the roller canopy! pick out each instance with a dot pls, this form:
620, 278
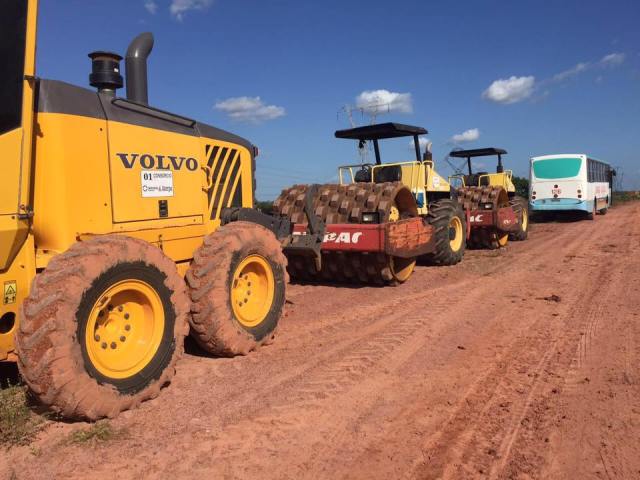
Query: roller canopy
381, 131
477, 152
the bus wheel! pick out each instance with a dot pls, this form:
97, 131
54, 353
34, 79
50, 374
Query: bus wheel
592, 215
603, 211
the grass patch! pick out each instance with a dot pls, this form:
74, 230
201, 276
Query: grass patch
18, 425
622, 197
101, 431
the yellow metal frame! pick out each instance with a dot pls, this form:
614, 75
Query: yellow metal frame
419, 177
504, 179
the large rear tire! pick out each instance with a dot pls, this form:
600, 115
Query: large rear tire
449, 222
103, 327
521, 207
237, 282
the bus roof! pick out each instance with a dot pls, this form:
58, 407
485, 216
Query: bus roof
567, 155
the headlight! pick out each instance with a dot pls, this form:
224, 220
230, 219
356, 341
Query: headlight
370, 218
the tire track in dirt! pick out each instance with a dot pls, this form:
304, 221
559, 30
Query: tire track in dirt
337, 378
459, 448
518, 264
323, 385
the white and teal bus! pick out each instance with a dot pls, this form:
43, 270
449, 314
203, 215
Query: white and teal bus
570, 182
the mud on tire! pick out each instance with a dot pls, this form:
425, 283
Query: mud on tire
520, 205
214, 324
441, 215
51, 342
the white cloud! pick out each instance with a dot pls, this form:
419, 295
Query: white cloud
423, 141
510, 90
516, 89
151, 6
384, 101
612, 60
249, 109
470, 135
579, 68
179, 7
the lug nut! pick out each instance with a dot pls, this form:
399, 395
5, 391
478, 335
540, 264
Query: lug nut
249, 292
97, 338
126, 316
120, 308
123, 338
113, 345
104, 345
127, 327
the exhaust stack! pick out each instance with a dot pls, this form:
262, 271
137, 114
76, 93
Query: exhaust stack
136, 64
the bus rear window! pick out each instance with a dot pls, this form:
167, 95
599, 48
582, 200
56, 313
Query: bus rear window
554, 168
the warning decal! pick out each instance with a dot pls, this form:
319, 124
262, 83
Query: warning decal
157, 183
9, 293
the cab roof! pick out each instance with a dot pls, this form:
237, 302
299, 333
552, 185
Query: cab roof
380, 131
477, 152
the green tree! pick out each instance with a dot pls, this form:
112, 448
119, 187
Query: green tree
522, 186
264, 207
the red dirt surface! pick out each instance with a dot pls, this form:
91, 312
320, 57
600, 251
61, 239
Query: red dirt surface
521, 363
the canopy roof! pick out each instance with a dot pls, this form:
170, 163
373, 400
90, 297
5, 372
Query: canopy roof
477, 152
381, 131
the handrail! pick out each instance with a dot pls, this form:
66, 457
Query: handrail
460, 177
349, 168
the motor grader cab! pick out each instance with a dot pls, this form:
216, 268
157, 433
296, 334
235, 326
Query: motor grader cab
496, 213
380, 218
116, 236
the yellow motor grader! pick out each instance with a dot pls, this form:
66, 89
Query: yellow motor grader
107, 206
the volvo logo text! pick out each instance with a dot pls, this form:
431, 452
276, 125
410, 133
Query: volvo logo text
158, 162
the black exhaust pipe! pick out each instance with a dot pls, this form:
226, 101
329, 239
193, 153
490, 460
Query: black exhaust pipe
136, 63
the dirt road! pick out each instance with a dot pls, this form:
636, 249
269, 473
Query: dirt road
521, 363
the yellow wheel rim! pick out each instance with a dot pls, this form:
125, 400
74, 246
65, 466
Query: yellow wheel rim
124, 329
525, 219
455, 231
252, 290
402, 268
502, 240
394, 214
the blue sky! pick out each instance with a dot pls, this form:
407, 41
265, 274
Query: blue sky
533, 77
